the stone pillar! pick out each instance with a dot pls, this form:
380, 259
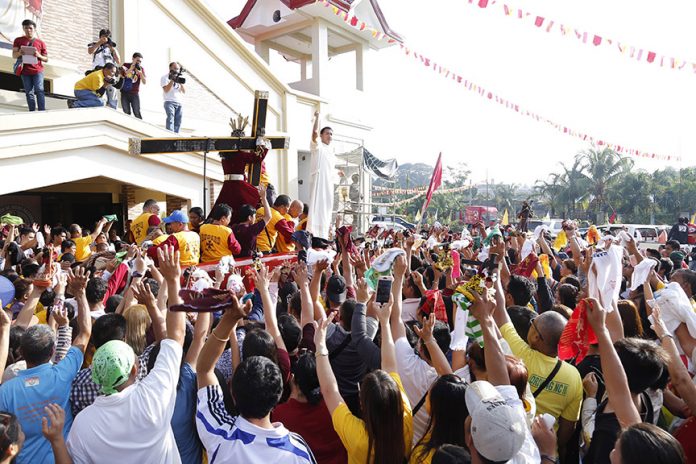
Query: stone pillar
128, 194
320, 54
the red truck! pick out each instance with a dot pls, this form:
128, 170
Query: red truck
476, 214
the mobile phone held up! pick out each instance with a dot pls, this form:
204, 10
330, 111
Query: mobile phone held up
384, 285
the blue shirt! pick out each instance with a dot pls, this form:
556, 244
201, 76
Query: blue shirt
26, 396
183, 420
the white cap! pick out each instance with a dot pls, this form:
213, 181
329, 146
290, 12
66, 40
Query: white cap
497, 429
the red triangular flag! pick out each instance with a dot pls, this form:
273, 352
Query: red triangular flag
483, 3
597, 40
539, 21
651, 57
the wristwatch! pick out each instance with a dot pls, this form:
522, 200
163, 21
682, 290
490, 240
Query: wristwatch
136, 274
546, 457
323, 352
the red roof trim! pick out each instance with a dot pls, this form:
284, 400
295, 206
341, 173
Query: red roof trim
238, 21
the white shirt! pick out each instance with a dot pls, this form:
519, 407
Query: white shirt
174, 94
230, 439
417, 376
409, 309
132, 425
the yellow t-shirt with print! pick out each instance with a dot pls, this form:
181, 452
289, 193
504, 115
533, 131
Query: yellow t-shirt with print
92, 81
353, 433
82, 250
417, 458
562, 397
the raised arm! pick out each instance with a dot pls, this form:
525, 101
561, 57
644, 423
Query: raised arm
614, 374
315, 127
397, 325
366, 348
52, 427
261, 282
144, 296
200, 332
27, 312
437, 357
679, 376
98, 229
215, 345
314, 287
267, 215
77, 280
496, 367
327, 379
388, 351
171, 271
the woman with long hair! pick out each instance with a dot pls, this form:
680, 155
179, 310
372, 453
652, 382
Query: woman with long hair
384, 434
646, 444
305, 413
446, 405
137, 323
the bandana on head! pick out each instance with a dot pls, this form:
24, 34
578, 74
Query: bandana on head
111, 365
11, 220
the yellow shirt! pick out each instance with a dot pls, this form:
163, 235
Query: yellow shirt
157, 240
353, 433
281, 245
189, 247
92, 81
262, 240
562, 397
416, 457
139, 227
214, 240
82, 250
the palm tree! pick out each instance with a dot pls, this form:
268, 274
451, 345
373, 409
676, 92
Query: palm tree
505, 197
601, 170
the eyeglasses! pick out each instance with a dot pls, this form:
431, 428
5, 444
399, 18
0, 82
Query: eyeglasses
537, 329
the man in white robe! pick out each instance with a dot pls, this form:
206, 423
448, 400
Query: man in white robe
323, 178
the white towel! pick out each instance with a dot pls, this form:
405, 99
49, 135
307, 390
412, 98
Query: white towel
384, 261
539, 230
460, 244
605, 276
527, 249
641, 272
676, 309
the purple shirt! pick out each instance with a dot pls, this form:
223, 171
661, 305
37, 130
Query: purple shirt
246, 236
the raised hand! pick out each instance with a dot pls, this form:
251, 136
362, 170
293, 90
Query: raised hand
381, 310
596, 315
47, 229
52, 423
400, 266
362, 291
143, 294
169, 263
236, 310
658, 325
590, 385
320, 332
301, 275
358, 262
482, 307
60, 287
320, 266
77, 280
61, 316
426, 332
261, 278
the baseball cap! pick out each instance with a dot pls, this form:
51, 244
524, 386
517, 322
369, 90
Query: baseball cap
677, 257
336, 289
302, 237
112, 364
176, 216
497, 430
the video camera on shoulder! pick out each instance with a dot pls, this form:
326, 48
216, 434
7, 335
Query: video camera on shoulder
175, 76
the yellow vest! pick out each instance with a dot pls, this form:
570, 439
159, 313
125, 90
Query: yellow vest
139, 227
214, 242
262, 240
281, 245
189, 247
302, 225
157, 240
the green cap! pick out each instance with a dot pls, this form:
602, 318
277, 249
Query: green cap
112, 364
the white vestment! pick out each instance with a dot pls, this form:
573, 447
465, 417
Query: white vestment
323, 178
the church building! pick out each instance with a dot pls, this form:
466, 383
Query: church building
66, 165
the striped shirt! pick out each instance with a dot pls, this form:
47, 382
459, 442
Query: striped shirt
230, 439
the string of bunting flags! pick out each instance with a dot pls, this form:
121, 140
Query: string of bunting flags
588, 38
488, 94
385, 191
415, 197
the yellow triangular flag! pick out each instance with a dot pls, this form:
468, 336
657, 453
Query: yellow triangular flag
693, 219
561, 240
547, 217
505, 221
418, 216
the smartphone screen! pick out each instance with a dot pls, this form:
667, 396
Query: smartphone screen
384, 285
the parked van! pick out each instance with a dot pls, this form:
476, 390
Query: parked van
639, 232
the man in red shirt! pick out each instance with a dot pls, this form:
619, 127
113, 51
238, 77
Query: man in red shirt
32, 74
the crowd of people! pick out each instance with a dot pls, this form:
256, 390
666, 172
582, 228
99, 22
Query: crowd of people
176, 343
107, 77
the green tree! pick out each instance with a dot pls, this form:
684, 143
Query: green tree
602, 169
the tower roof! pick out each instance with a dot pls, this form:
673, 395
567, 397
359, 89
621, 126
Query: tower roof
261, 18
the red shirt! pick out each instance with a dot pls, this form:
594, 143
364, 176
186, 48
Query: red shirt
31, 69
313, 422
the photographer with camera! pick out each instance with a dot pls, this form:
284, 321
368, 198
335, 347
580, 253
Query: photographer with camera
104, 51
173, 87
90, 89
133, 74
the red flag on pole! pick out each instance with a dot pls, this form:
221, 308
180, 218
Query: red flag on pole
612, 218
435, 182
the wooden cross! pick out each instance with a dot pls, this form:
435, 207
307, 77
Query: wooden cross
223, 145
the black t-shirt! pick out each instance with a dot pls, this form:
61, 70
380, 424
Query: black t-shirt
680, 233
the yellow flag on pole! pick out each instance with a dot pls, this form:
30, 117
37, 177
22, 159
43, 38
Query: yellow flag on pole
505, 221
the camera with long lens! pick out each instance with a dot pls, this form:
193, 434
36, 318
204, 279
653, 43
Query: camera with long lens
175, 76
